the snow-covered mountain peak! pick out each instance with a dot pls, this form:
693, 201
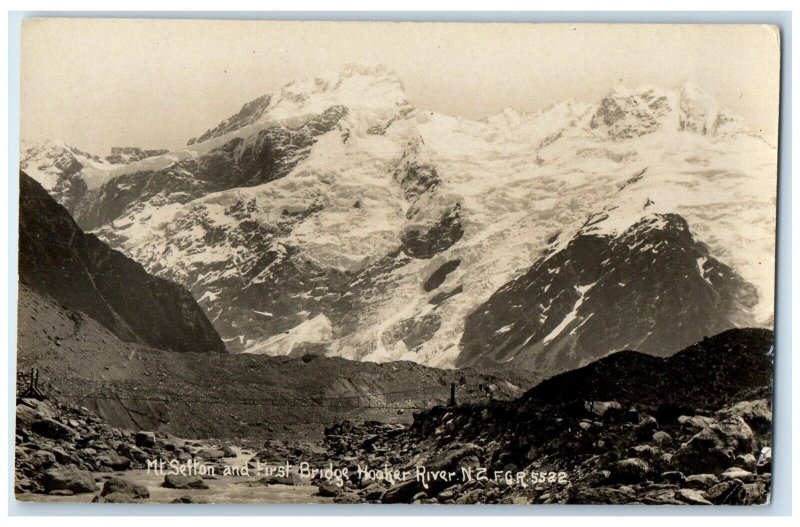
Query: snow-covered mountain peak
356, 87
631, 113
621, 114
371, 95
701, 113
47, 148
57, 166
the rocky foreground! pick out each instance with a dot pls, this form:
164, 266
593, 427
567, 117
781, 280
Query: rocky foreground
653, 440
600, 453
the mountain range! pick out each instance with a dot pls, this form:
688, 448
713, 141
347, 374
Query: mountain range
334, 216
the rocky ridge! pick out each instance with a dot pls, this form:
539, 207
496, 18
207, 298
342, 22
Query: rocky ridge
601, 293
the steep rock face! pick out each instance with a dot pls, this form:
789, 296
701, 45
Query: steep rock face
57, 167
249, 114
57, 259
624, 115
268, 155
416, 173
652, 288
68, 173
424, 241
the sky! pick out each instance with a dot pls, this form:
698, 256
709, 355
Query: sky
98, 83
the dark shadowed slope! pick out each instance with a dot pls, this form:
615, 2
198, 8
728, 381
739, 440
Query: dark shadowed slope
653, 288
58, 259
708, 373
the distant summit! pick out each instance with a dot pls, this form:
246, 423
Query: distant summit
374, 91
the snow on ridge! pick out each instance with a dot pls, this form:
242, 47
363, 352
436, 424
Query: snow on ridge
45, 161
357, 87
372, 94
572, 315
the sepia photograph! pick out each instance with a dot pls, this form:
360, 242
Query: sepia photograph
308, 262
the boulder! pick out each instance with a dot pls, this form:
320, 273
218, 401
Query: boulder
68, 478
23, 485
109, 458
701, 481
746, 461
692, 497
123, 486
30, 410
63, 492
145, 439
757, 414
648, 424
715, 448
211, 454
601, 408
745, 476
452, 458
52, 429
727, 493
659, 496
695, 423
446, 495
646, 452
176, 481
171, 446
373, 492
61, 455
597, 478
328, 490
755, 493
114, 497
401, 493
347, 497
630, 470
132, 452
42, 459
661, 438
673, 476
